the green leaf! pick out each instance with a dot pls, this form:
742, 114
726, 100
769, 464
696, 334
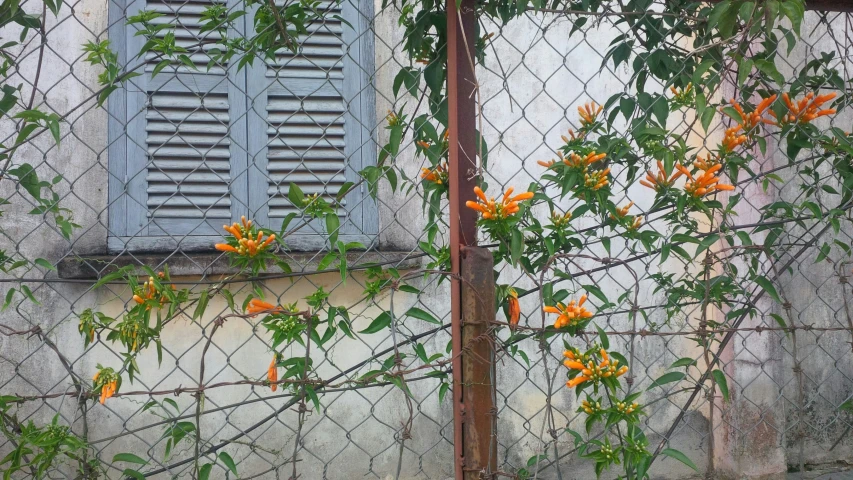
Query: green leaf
516, 245
204, 471
228, 461
605, 342
381, 322
683, 362
133, 473
295, 195
597, 293
202, 305
44, 263
673, 453
768, 287
720, 378
667, 378
128, 457
422, 315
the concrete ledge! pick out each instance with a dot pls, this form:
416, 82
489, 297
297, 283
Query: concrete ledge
94, 267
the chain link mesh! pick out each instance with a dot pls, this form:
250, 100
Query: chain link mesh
785, 387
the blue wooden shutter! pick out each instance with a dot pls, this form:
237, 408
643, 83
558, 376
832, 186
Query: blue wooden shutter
178, 151
310, 116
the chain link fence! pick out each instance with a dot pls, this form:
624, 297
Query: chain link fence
151, 176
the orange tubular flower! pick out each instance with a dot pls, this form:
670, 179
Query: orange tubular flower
707, 183
660, 181
748, 121
589, 371
570, 314
596, 180
705, 163
546, 164
560, 220
272, 374
247, 243
437, 175
257, 306
732, 140
107, 391
424, 144
571, 134
621, 212
492, 210
514, 308
808, 108
589, 113
679, 93
575, 160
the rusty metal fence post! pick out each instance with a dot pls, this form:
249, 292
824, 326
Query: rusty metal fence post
472, 290
479, 444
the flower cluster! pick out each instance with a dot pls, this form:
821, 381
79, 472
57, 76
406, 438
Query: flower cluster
627, 408
807, 109
438, 175
748, 121
590, 372
732, 140
569, 315
244, 241
107, 381
560, 221
705, 163
680, 94
591, 407
257, 306
589, 113
596, 180
706, 183
661, 181
150, 291
492, 210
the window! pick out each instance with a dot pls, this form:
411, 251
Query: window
191, 150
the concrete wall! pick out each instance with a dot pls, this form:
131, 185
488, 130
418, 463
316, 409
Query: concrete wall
545, 78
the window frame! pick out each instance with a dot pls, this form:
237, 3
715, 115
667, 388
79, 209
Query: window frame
129, 226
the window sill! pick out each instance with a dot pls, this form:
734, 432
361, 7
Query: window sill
93, 267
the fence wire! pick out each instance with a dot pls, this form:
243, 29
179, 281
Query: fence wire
209, 147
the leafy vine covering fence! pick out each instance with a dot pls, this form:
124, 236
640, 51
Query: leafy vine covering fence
660, 192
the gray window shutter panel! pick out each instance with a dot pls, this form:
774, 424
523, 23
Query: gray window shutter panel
309, 117
178, 142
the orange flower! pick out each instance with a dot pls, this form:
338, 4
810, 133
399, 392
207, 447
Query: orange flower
569, 314
705, 163
589, 113
706, 183
748, 121
514, 308
596, 180
248, 244
681, 94
436, 175
572, 134
806, 109
636, 224
575, 160
660, 182
424, 144
589, 371
392, 118
257, 306
546, 164
492, 210
272, 374
732, 140
108, 390
560, 220
621, 212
